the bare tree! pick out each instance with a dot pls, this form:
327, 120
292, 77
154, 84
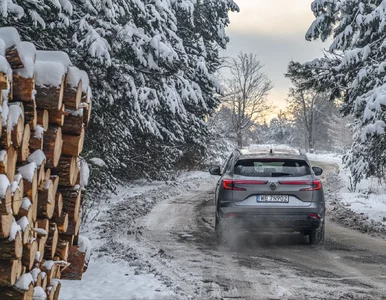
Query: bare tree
246, 95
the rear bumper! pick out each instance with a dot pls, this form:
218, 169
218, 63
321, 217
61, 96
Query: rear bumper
256, 219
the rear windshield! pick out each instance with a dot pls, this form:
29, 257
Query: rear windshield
272, 167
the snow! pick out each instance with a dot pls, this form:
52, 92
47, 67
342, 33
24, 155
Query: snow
85, 246
84, 172
37, 255
85, 81
14, 186
108, 270
49, 73
40, 231
2, 47
15, 228
4, 112
74, 76
25, 203
97, 161
23, 223
4, 185
39, 293
39, 132
10, 36
18, 177
14, 114
24, 281
119, 278
4, 65
28, 52
75, 113
54, 56
28, 171
2, 155
35, 272
37, 157
369, 197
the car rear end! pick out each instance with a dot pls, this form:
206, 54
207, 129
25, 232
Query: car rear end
271, 193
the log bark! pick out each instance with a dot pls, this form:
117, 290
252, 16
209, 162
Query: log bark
58, 205
73, 122
43, 118
3, 81
72, 202
14, 58
73, 144
68, 237
62, 222
11, 249
52, 146
27, 212
23, 88
77, 260
9, 272
36, 140
5, 225
50, 98
52, 241
31, 187
3, 162
29, 252
73, 227
57, 116
11, 163
57, 291
24, 152
6, 202
6, 137
41, 174
62, 249
30, 114
46, 200
16, 294
67, 170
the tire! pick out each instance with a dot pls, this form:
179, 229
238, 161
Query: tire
316, 236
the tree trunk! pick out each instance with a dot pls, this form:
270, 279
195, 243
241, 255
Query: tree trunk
53, 146
67, 170
23, 152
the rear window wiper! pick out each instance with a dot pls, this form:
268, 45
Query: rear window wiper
279, 174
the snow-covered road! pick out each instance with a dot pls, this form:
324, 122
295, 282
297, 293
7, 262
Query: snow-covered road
349, 266
175, 243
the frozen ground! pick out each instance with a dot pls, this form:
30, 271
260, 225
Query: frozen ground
362, 208
115, 272
156, 241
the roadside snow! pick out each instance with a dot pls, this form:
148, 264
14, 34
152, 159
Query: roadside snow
109, 279
362, 208
114, 272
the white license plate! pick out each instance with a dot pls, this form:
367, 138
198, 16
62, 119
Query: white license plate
273, 198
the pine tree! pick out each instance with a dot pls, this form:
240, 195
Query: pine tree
353, 69
151, 66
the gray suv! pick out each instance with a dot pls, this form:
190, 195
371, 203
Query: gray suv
269, 190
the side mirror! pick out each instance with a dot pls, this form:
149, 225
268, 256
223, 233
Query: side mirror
318, 171
215, 170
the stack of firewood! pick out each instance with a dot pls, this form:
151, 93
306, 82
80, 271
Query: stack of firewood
45, 108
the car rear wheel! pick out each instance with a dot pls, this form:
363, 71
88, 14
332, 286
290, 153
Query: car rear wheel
316, 236
220, 232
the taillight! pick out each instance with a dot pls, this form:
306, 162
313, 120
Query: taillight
231, 184
315, 184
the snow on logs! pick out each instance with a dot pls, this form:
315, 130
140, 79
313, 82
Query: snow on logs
45, 108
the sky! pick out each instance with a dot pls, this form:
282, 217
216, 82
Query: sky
274, 30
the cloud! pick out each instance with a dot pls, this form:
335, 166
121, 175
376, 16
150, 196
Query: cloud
278, 17
274, 30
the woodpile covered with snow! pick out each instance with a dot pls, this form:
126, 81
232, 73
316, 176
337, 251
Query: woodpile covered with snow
45, 108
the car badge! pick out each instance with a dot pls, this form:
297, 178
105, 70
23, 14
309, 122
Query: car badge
273, 186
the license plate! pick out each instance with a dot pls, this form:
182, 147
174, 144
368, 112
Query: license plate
273, 198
